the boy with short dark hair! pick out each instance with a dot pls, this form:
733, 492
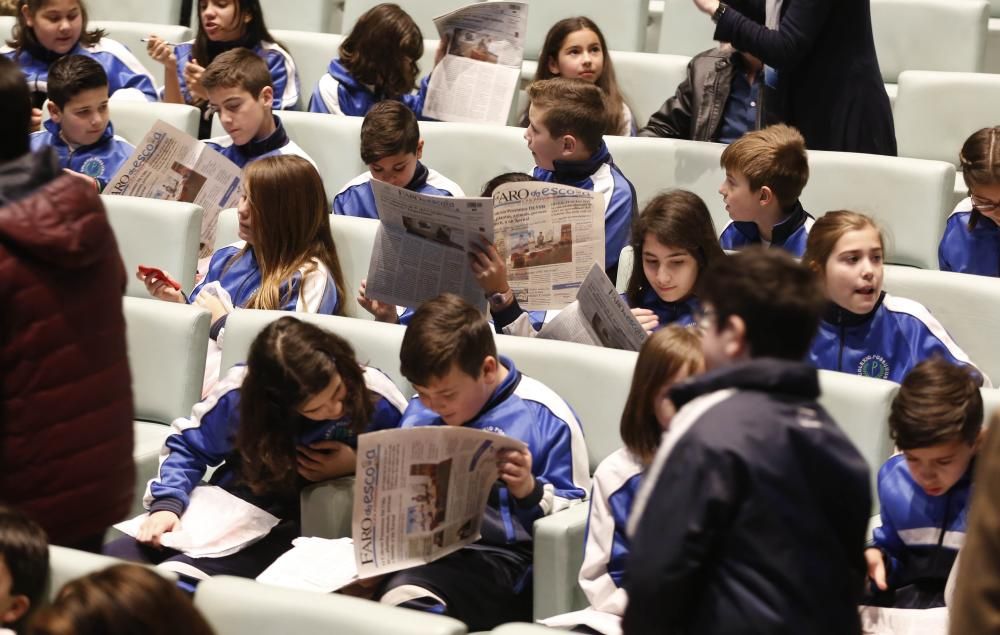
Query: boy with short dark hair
24, 567
566, 123
753, 512
449, 356
240, 90
391, 147
79, 126
766, 171
925, 491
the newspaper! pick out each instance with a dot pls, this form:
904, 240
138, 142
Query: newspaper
313, 564
549, 235
422, 493
599, 317
172, 165
476, 80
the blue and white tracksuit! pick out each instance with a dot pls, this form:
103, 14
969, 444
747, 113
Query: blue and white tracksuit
338, 93
276, 144
127, 77
790, 234
600, 174
357, 199
99, 161
970, 250
311, 289
284, 76
606, 547
886, 343
920, 534
206, 439
525, 409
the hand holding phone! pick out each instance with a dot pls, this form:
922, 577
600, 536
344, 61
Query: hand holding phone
153, 273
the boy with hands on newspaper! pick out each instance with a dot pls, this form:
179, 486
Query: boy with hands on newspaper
449, 356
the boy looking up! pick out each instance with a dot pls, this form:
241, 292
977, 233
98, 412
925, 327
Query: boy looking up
239, 88
79, 126
566, 122
753, 513
925, 491
449, 356
24, 567
391, 147
766, 171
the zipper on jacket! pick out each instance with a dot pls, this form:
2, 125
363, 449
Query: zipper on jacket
843, 334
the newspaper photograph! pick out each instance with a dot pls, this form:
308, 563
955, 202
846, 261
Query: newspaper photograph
599, 317
171, 165
477, 79
421, 246
422, 493
550, 235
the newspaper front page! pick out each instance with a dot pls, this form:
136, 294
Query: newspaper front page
476, 80
421, 246
550, 235
421, 493
172, 165
599, 317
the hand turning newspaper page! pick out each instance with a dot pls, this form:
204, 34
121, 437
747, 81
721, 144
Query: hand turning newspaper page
548, 234
476, 80
421, 493
599, 317
172, 165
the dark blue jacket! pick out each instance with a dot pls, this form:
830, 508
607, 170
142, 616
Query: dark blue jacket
338, 93
970, 250
790, 234
275, 144
752, 516
357, 198
99, 160
886, 343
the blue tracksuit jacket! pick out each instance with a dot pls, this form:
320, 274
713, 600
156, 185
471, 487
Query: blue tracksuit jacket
338, 93
790, 234
970, 250
127, 77
277, 143
206, 439
920, 534
284, 76
600, 174
357, 199
886, 343
99, 160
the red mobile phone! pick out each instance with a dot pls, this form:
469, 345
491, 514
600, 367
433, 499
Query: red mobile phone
159, 273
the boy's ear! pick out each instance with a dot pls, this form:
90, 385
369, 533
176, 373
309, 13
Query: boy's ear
569, 144
19, 605
734, 333
267, 95
766, 195
420, 149
488, 371
54, 113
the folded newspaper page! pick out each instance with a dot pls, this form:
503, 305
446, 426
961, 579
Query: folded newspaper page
421, 493
171, 165
599, 317
476, 80
315, 564
549, 235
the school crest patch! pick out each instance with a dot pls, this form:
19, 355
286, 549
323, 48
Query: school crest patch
93, 167
874, 365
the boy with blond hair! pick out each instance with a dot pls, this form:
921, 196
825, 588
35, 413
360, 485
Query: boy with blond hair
449, 356
766, 171
240, 90
566, 123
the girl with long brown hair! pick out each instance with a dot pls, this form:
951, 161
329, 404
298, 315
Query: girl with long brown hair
289, 417
971, 241
575, 48
285, 258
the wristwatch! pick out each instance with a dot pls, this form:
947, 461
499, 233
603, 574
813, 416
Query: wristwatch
501, 300
719, 12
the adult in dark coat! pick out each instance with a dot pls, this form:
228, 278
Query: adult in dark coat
828, 81
65, 389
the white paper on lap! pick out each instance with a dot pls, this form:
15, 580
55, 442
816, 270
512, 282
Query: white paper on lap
883, 621
314, 564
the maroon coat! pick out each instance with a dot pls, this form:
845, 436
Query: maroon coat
65, 388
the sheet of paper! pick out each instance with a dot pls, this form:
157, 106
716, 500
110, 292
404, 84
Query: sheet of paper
600, 621
214, 525
884, 621
313, 564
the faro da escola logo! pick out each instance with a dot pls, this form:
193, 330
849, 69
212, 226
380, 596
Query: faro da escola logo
874, 365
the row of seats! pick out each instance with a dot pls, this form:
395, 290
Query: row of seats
166, 351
